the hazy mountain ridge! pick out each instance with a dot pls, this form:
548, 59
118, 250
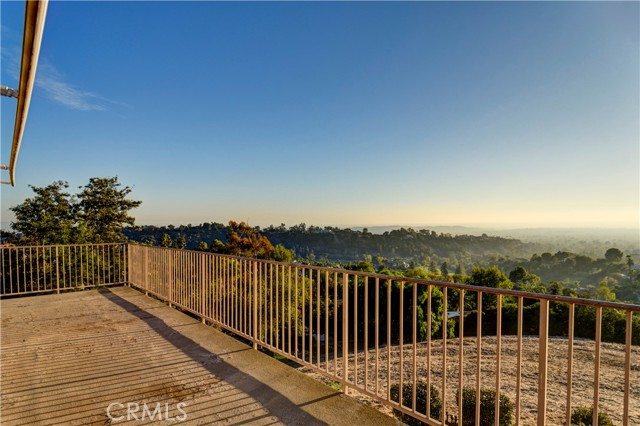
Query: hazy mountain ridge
591, 242
459, 244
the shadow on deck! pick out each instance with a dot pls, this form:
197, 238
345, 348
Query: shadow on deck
67, 358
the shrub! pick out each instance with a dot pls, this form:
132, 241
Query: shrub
583, 416
435, 407
487, 407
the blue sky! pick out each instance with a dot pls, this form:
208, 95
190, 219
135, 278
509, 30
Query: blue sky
488, 113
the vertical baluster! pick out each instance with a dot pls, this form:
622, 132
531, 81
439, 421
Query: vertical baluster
377, 335
291, 315
428, 413
498, 357
570, 361
542, 362
254, 319
296, 271
445, 318
302, 302
627, 367
460, 354
478, 355
345, 331
388, 339
414, 342
283, 308
24, 269
74, 265
4, 271
271, 297
318, 341
366, 333
401, 342
596, 375
519, 360
82, 250
311, 316
57, 272
355, 330
9, 251
326, 321
335, 324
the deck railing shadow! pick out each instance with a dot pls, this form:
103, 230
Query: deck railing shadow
277, 405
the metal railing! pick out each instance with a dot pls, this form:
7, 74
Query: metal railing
431, 350
45, 269
388, 336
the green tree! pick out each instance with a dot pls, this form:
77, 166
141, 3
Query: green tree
489, 277
202, 246
8, 237
243, 240
613, 255
444, 269
218, 246
362, 266
487, 407
604, 292
181, 242
281, 254
166, 240
583, 416
523, 280
435, 402
48, 217
556, 288
518, 275
104, 208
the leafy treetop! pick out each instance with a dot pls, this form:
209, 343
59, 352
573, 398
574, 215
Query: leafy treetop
104, 208
97, 215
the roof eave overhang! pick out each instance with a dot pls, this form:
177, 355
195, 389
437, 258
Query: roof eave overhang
35, 14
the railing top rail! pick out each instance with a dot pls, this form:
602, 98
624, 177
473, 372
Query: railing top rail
62, 245
467, 287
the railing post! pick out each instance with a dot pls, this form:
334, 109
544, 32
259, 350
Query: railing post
596, 377
146, 271
498, 357
542, 362
572, 307
127, 279
57, 272
255, 305
170, 278
345, 330
627, 367
202, 290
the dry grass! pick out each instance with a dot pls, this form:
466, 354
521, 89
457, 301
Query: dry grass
611, 374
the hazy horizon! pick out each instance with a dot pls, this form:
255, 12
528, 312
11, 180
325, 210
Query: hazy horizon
631, 232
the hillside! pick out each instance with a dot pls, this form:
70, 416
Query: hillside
611, 374
346, 245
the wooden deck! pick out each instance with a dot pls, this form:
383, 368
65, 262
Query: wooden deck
93, 357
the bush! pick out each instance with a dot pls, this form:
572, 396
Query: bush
435, 407
487, 407
583, 416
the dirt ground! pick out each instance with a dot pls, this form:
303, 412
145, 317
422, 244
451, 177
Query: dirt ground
611, 388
